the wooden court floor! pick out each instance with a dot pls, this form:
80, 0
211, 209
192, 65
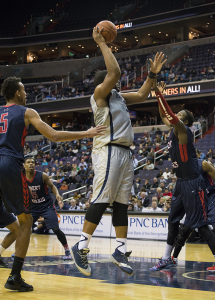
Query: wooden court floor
56, 279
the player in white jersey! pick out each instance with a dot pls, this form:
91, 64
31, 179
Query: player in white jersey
112, 157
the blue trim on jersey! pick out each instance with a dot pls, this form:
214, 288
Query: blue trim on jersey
111, 126
106, 175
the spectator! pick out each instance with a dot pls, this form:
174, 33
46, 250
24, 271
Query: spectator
170, 188
160, 173
90, 192
67, 168
87, 205
74, 206
158, 131
75, 150
139, 205
44, 163
162, 185
136, 186
202, 155
210, 70
130, 207
149, 165
152, 131
162, 179
83, 164
89, 181
144, 200
210, 153
173, 183
135, 162
161, 202
202, 119
147, 184
57, 184
167, 192
151, 154
165, 155
53, 172
159, 193
62, 205
154, 207
155, 184
133, 147
167, 207
64, 186
166, 174
172, 174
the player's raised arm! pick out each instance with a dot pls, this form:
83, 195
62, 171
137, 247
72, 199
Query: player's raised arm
32, 117
208, 168
113, 70
53, 188
142, 94
168, 117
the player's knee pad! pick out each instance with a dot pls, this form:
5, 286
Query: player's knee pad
205, 232
120, 214
95, 212
184, 233
173, 229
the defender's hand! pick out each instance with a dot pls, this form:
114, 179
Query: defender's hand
94, 131
158, 62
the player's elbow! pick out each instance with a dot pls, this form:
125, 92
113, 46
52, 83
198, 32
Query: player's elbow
55, 137
204, 165
117, 74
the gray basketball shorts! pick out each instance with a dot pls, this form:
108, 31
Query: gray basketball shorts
114, 174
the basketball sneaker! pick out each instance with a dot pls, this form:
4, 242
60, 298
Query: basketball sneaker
2, 263
174, 262
16, 283
211, 269
80, 258
163, 264
121, 260
67, 255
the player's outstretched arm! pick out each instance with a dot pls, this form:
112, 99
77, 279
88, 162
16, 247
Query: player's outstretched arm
53, 188
113, 70
209, 168
168, 117
32, 117
142, 94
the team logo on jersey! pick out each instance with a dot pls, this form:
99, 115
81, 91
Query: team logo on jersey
175, 165
169, 145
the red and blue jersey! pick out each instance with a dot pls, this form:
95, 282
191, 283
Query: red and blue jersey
12, 130
41, 198
184, 160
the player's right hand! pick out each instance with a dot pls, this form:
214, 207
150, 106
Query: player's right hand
94, 131
97, 35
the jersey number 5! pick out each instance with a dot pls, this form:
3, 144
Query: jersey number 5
3, 128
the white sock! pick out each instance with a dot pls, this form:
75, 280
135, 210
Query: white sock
2, 249
84, 240
167, 252
121, 244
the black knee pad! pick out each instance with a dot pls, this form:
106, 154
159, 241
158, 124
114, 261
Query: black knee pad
95, 212
120, 214
173, 229
205, 232
184, 233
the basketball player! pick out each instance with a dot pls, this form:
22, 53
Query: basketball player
112, 158
42, 203
190, 195
14, 191
10, 222
207, 170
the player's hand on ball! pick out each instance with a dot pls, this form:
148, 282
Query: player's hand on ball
158, 62
97, 35
98, 130
59, 198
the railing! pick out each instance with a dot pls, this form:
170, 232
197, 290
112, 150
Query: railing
39, 97
72, 191
52, 88
130, 77
197, 133
143, 70
155, 158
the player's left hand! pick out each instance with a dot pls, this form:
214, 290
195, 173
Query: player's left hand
59, 198
158, 62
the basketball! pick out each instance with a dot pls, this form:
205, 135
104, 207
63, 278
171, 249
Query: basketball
109, 31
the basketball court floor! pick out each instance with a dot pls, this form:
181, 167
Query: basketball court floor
56, 279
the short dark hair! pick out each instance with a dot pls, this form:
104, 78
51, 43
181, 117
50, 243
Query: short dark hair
29, 157
99, 77
189, 118
10, 86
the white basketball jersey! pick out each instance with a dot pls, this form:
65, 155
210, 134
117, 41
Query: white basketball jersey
116, 118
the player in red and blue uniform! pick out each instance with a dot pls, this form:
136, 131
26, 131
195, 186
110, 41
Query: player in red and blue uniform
10, 222
207, 170
190, 194
14, 191
42, 203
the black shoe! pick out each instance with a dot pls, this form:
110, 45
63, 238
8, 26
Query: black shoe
16, 283
2, 263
